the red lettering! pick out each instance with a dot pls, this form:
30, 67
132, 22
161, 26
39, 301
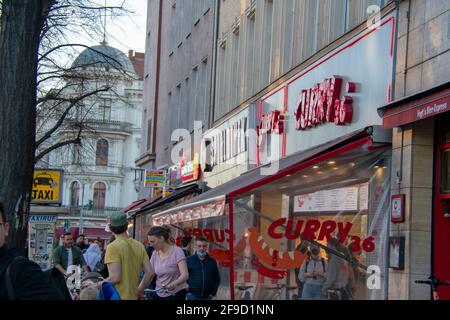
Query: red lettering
310, 230
333, 95
207, 233
345, 113
220, 238
271, 231
322, 103
198, 233
344, 231
290, 226
312, 117
326, 231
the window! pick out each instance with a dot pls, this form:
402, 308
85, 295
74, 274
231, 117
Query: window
74, 194
76, 154
266, 44
193, 98
169, 118
149, 134
99, 195
102, 153
203, 93
105, 110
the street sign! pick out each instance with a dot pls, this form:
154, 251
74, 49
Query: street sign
155, 178
47, 188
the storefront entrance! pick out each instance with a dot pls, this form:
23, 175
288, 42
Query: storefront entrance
442, 205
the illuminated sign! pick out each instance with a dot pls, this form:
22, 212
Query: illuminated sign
190, 170
155, 178
47, 186
322, 103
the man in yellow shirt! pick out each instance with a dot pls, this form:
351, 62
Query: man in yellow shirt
126, 258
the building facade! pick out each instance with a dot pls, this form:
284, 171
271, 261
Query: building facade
99, 172
300, 147
177, 81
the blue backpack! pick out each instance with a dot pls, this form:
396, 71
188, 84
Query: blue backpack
108, 292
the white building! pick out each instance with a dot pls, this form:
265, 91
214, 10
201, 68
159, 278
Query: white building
99, 174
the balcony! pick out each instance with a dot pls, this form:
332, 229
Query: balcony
102, 125
89, 212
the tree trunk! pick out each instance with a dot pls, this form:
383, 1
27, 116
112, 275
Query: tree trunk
20, 27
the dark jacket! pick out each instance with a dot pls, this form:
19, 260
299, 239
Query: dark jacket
204, 278
27, 279
60, 256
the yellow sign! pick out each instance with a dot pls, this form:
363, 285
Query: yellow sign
47, 186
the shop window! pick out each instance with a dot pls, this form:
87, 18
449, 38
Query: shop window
342, 200
99, 195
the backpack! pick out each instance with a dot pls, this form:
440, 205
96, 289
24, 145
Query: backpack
323, 265
55, 276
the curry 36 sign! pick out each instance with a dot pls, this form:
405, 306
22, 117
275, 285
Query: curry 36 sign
322, 103
47, 187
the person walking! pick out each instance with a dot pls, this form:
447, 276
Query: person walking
68, 255
125, 259
169, 264
204, 278
92, 256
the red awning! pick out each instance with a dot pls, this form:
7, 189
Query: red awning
417, 107
143, 204
133, 205
212, 203
60, 231
95, 233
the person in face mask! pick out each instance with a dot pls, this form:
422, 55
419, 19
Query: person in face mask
204, 278
313, 275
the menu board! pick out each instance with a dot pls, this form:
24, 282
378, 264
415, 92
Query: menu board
342, 199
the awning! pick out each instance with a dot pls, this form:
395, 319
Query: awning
95, 233
422, 105
143, 204
215, 198
133, 205
190, 190
60, 231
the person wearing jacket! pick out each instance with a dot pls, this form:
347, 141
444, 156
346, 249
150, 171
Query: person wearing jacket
338, 275
92, 256
313, 274
20, 278
204, 278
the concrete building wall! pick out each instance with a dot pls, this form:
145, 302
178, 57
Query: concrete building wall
261, 40
185, 72
423, 61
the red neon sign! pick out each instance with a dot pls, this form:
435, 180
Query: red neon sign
272, 122
322, 103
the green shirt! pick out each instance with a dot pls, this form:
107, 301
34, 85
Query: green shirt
60, 256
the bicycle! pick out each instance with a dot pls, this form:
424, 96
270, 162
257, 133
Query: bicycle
279, 290
149, 293
435, 284
245, 294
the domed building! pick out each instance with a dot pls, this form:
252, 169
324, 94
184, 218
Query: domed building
99, 174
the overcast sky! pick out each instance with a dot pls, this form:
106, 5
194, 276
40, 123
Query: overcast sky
126, 32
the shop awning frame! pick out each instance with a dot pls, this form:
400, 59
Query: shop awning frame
253, 179
419, 106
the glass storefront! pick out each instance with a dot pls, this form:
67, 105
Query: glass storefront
346, 197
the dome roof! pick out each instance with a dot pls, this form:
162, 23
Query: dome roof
103, 56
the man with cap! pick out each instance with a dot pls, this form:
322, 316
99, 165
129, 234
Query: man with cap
126, 258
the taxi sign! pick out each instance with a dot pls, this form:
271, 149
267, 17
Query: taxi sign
47, 187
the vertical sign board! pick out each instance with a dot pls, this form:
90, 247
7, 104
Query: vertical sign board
155, 179
41, 232
47, 186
